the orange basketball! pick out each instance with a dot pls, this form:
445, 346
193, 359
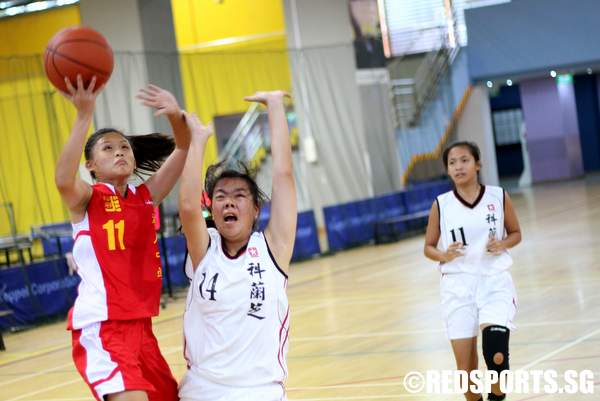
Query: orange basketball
78, 50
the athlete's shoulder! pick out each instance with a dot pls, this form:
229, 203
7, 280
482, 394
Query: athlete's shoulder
264, 245
103, 188
214, 237
257, 239
494, 188
445, 197
257, 235
140, 192
495, 192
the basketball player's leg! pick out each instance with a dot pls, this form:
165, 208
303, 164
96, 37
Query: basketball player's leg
494, 342
465, 354
496, 312
155, 368
106, 356
460, 314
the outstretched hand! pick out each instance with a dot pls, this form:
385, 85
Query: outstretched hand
159, 99
265, 97
196, 127
84, 99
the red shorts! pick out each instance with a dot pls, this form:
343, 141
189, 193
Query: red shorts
120, 355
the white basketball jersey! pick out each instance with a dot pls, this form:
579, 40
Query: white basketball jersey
237, 319
473, 225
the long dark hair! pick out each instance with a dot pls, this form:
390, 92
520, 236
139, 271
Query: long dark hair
149, 150
221, 170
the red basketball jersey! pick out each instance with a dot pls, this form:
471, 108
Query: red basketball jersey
117, 257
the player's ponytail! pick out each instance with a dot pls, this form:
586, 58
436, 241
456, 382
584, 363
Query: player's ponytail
150, 151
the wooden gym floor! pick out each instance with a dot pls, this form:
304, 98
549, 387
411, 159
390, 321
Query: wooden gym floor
362, 319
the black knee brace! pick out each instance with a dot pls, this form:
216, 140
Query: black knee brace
495, 340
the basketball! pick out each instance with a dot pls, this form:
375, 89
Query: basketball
78, 50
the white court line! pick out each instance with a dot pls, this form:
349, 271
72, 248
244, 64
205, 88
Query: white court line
561, 349
79, 379
371, 397
43, 372
427, 331
392, 269
63, 399
366, 397
365, 335
559, 322
45, 389
336, 386
350, 300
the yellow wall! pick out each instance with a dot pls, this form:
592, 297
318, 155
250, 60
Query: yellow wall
202, 21
34, 124
228, 51
29, 33
34, 120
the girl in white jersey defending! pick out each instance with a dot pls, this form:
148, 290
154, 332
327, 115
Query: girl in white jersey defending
469, 232
115, 247
237, 320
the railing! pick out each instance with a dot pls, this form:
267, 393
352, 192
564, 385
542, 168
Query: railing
437, 151
411, 94
246, 128
250, 144
11, 217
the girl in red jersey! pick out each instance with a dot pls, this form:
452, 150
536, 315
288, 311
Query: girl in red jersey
115, 247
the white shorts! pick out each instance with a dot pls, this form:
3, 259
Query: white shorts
196, 388
469, 301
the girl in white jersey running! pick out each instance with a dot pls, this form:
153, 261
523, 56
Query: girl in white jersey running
236, 321
469, 232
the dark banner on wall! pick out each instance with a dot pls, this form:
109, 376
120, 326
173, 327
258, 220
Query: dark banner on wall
368, 43
175, 248
359, 222
36, 291
307, 238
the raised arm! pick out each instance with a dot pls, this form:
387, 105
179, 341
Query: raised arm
162, 182
190, 192
281, 230
73, 190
